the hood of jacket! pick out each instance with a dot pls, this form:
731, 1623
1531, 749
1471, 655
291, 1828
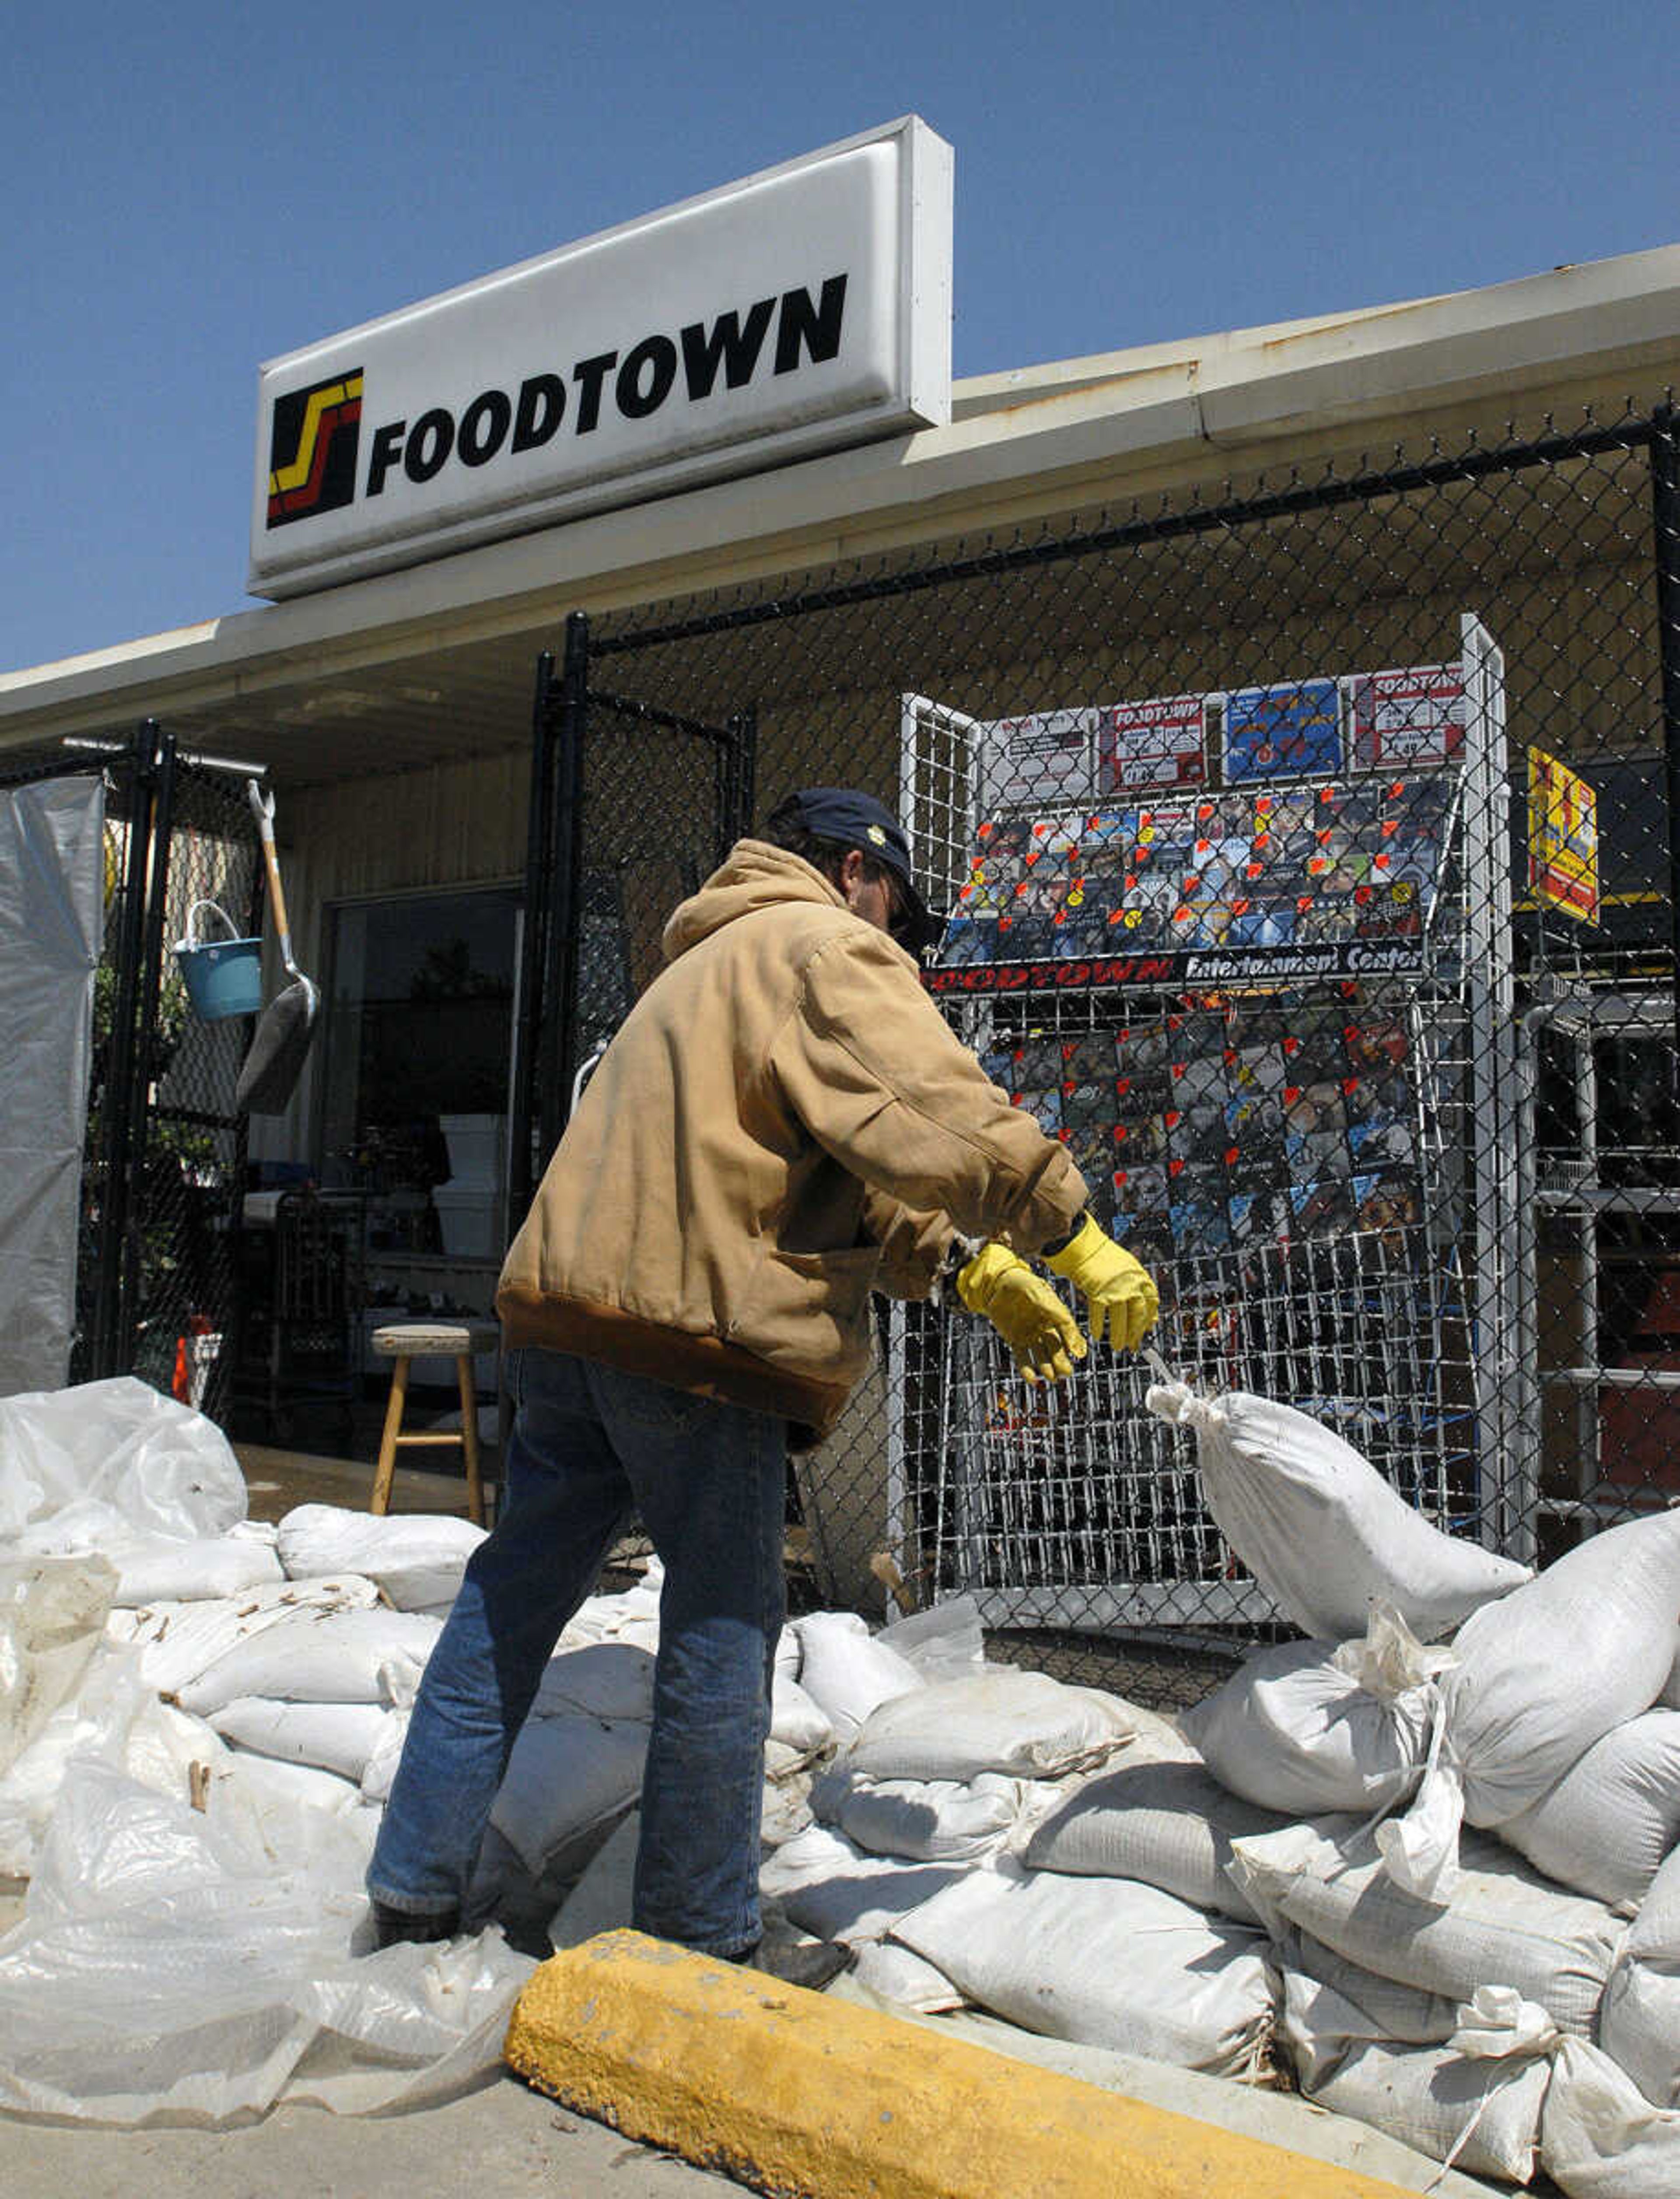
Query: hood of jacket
754, 876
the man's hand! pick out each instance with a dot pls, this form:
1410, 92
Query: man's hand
1120, 1295
1026, 1312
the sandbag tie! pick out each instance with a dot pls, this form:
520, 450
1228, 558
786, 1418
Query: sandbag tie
1172, 1399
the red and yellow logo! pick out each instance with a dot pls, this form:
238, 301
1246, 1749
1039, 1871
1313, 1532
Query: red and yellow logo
312, 449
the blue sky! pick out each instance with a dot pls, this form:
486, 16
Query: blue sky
192, 190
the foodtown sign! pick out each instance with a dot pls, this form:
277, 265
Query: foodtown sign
805, 308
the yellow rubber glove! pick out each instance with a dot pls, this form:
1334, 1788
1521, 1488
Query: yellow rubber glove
1119, 1294
1026, 1312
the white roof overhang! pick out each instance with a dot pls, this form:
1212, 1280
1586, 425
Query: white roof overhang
436, 661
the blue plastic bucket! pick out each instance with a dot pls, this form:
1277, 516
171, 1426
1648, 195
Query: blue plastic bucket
223, 976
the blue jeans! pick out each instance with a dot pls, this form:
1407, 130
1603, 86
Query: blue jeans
588, 1446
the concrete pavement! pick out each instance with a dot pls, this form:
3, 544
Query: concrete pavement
503, 2141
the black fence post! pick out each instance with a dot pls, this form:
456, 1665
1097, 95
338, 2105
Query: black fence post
150, 986
740, 782
1666, 519
533, 945
559, 977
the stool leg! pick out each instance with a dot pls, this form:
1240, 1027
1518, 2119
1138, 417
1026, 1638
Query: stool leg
470, 1437
388, 1443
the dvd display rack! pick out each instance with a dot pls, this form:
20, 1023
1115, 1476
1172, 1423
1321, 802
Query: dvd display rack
1248, 956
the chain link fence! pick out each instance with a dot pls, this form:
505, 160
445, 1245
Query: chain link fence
157, 1286
1306, 857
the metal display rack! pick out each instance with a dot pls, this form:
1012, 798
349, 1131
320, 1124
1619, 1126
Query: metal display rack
1599, 1394
1326, 1111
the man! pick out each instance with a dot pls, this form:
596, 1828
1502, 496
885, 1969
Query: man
784, 1123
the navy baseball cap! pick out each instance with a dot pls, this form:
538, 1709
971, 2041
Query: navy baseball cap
858, 820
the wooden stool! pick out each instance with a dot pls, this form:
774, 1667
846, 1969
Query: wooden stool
459, 1340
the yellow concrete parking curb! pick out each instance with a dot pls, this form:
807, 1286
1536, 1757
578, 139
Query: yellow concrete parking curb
795, 2093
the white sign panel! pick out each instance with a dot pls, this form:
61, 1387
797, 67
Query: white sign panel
805, 308
1043, 761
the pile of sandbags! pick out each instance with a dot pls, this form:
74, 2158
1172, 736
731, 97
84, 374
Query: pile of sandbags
1479, 1994
920, 1852
190, 1705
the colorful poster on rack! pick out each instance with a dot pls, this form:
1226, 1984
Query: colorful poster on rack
1288, 732
1044, 762
1562, 837
1142, 747
1267, 883
1409, 717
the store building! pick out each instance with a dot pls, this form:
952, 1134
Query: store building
1330, 496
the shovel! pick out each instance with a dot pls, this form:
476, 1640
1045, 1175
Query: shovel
287, 1024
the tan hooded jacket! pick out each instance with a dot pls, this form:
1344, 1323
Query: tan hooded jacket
784, 1123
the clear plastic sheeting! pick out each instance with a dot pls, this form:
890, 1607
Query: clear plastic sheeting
192, 1946
51, 921
165, 1972
97, 1466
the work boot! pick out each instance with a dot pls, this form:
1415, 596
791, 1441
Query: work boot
393, 1926
813, 1964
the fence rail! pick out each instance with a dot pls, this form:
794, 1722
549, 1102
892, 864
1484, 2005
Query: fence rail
1291, 843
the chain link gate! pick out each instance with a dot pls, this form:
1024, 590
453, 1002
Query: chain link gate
157, 1285
1306, 853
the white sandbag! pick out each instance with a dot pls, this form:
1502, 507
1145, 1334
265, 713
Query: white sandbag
846, 1670
925, 1820
1321, 1531
608, 1679
907, 1979
631, 1614
85, 1466
1670, 1697
166, 1568
1104, 1961
944, 1643
322, 1656
52, 1615
1291, 1732
1024, 1724
332, 1736
786, 1805
386, 1753
1403, 2015
1514, 1715
1478, 2109
1639, 2024
782, 1761
1599, 2139
282, 1781
603, 1898
828, 1887
1502, 1924
1608, 1824
1171, 1825
178, 1641
568, 1783
797, 1722
298, 1815
417, 1558
1550, 1669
